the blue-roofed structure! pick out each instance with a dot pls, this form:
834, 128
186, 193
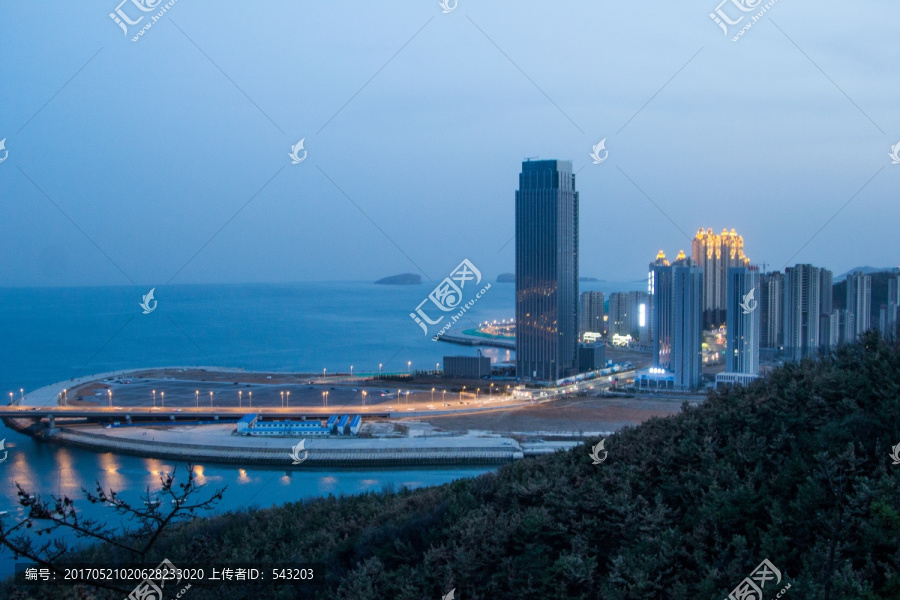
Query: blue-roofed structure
355, 424
254, 425
332, 422
342, 424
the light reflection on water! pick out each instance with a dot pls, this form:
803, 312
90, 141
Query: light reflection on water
47, 469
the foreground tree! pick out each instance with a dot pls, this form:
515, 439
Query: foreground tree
174, 502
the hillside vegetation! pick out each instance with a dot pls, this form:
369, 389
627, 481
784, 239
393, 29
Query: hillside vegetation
794, 469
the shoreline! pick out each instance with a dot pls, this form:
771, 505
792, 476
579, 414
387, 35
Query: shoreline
464, 435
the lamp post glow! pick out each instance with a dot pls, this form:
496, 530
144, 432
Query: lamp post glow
476, 393
210, 400
287, 399
437, 368
408, 366
65, 395
10, 397
461, 392
325, 398
443, 395
251, 399
109, 393
379, 368
197, 397
162, 399
364, 394
492, 391
323, 373
432, 395
154, 398
282, 398
240, 398
22, 391
351, 370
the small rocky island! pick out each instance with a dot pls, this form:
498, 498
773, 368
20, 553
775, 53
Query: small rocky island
506, 278
402, 279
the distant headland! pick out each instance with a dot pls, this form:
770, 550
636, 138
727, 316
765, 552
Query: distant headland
402, 279
506, 278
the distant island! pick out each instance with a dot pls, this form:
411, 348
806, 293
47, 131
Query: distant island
506, 278
590, 279
402, 279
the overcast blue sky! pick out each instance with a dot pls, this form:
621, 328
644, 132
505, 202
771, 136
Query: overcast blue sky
167, 159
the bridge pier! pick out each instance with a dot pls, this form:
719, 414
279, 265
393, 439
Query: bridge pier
52, 424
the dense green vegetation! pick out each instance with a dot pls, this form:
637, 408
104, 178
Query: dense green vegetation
794, 468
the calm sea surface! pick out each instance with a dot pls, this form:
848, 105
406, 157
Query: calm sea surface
52, 334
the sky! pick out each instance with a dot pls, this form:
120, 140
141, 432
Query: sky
166, 160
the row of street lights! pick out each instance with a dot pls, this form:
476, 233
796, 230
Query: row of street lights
437, 367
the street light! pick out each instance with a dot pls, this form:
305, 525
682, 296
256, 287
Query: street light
282, 398
323, 373
10, 398
210, 400
288, 399
154, 398
408, 365
476, 393
197, 397
162, 399
109, 392
492, 391
379, 368
251, 399
21, 390
461, 392
432, 395
437, 368
351, 370
443, 395
325, 398
364, 394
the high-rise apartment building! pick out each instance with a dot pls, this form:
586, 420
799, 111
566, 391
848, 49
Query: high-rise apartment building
771, 300
743, 321
802, 308
715, 254
629, 314
677, 292
593, 311
859, 300
546, 271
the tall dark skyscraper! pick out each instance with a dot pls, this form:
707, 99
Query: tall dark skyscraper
546, 271
677, 291
742, 319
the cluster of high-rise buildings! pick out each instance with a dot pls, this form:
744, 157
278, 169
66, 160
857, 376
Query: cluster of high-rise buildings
790, 314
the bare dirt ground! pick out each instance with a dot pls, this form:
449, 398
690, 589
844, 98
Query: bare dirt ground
570, 415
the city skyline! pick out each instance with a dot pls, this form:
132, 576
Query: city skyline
161, 184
